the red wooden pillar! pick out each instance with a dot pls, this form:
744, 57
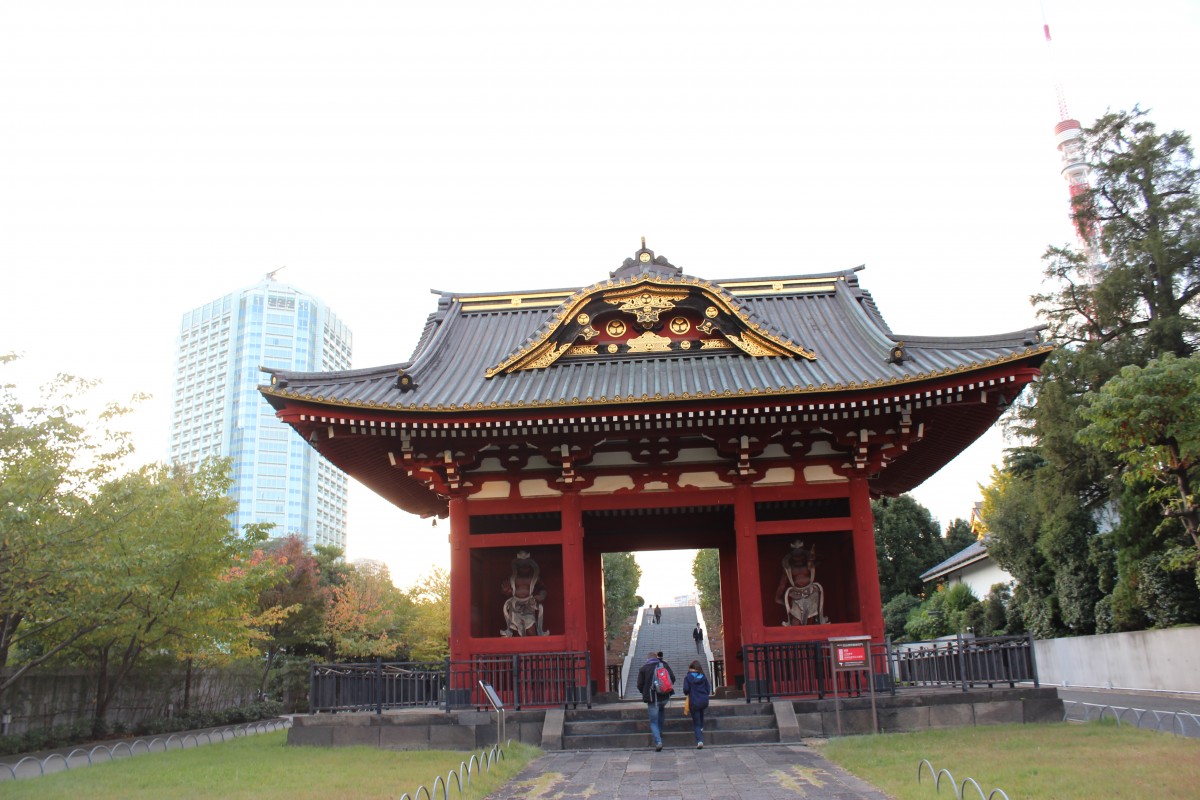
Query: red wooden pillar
865, 563
731, 615
460, 579
574, 576
593, 568
748, 579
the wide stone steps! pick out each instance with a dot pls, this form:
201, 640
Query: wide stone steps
629, 727
673, 636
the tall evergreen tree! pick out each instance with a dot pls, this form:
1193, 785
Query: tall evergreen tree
907, 543
621, 577
1137, 304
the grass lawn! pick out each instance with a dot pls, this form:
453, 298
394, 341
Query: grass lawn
261, 767
1056, 760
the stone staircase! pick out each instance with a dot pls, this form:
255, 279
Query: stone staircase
627, 726
673, 636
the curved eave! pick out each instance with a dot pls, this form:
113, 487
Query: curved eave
337, 384
956, 426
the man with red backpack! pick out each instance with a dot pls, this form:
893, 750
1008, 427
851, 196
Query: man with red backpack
656, 682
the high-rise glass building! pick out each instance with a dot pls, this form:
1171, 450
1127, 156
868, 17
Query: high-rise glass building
218, 411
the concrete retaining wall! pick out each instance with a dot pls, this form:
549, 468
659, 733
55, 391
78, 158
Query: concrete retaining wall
916, 712
1166, 660
42, 699
415, 730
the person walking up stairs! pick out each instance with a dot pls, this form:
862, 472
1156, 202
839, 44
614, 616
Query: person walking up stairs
672, 636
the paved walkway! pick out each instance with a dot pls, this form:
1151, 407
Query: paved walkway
756, 772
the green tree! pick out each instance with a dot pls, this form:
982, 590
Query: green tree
1137, 303
989, 617
1043, 545
54, 455
896, 612
1150, 418
292, 606
945, 613
907, 543
958, 537
367, 616
174, 577
621, 578
706, 571
428, 632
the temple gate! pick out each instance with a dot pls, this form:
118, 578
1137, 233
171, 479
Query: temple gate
655, 410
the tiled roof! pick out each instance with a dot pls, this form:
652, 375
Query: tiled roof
828, 315
973, 552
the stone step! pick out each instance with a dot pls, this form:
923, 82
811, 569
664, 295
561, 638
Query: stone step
628, 727
671, 739
673, 722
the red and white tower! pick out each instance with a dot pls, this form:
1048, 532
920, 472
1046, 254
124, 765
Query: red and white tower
1068, 136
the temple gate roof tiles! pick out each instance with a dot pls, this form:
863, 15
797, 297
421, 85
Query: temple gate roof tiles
827, 314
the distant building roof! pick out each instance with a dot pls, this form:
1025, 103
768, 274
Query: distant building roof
975, 551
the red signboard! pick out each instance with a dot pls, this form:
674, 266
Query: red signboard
851, 655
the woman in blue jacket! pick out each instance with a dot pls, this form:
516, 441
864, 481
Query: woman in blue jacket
697, 688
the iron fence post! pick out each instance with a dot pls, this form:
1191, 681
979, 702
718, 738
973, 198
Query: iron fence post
446, 685
378, 685
312, 687
587, 676
887, 664
962, 662
516, 671
821, 655
1032, 658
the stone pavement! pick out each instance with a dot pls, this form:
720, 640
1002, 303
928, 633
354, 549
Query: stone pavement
756, 772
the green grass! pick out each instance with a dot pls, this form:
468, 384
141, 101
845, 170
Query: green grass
1061, 761
262, 767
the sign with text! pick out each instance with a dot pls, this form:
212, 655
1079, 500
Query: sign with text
851, 653
492, 697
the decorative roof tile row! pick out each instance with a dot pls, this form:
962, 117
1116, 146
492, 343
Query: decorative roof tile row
829, 316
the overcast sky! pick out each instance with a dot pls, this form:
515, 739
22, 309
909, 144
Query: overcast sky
157, 155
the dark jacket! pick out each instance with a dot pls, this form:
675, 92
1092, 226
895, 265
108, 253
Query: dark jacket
697, 688
645, 681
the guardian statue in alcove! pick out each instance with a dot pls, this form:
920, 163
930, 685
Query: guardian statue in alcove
523, 608
799, 591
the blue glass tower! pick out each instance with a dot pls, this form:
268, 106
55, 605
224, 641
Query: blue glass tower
218, 411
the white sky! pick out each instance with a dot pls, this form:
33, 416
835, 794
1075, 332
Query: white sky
157, 155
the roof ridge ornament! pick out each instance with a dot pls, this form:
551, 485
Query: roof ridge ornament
645, 264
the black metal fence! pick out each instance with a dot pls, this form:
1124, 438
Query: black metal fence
796, 669
528, 679
966, 662
374, 687
801, 669
523, 679
614, 678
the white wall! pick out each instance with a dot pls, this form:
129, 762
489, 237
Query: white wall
1165, 660
981, 576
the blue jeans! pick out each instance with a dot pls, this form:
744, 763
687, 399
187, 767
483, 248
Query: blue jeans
658, 715
698, 724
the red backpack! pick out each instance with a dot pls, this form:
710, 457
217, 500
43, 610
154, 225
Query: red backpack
662, 679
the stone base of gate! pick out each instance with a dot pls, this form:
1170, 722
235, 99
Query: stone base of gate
916, 710
794, 719
411, 729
